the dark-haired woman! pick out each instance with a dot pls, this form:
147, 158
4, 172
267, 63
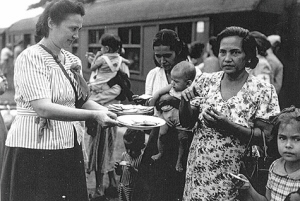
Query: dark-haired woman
43, 157
227, 103
159, 179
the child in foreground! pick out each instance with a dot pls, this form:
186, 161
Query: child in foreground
284, 173
182, 76
134, 141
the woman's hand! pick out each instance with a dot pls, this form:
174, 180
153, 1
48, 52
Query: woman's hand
214, 119
189, 93
106, 118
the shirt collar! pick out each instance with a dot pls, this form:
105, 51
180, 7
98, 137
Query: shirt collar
280, 170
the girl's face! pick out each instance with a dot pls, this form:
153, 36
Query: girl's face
64, 34
289, 141
232, 57
164, 56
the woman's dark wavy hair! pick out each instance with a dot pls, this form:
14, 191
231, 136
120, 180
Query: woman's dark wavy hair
112, 41
57, 11
168, 37
248, 43
262, 42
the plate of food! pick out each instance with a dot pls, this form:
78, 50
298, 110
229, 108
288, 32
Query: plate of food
121, 109
140, 122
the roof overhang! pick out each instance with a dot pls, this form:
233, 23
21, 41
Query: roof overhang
123, 11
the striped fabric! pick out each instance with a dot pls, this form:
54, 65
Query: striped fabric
280, 183
38, 76
127, 179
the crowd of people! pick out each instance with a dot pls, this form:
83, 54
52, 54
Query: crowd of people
209, 95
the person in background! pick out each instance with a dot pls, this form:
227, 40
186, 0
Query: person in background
108, 63
6, 58
128, 166
196, 54
211, 62
277, 66
3, 128
160, 180
263, 70
18, 49
227, 103
293, 196
182, 75
284, 173
43, 157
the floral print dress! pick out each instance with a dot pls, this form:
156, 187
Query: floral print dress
212, 154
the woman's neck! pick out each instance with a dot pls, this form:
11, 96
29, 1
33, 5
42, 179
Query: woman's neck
55, 49
237, 77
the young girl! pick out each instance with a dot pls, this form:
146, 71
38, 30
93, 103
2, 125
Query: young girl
284, 173
134, 141
106, 65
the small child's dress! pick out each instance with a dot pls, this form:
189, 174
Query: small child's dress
280, 184
128, 179
108, 65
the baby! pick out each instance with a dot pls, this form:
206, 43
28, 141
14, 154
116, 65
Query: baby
165, 99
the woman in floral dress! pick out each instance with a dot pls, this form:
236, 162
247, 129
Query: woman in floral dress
227, 102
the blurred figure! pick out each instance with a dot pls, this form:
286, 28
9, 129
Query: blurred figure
6, 58
211, 62
18, 49
277, 67
263, 70
196, 54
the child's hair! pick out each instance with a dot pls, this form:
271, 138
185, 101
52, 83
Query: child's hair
288, 197
134, 139
112, 41
196, 49
186, 69
286, 116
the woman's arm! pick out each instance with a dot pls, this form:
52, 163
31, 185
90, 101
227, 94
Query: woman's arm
46, 109
188, 115
248, 193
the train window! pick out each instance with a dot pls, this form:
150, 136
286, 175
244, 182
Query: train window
94, 35
184, 30
131, 39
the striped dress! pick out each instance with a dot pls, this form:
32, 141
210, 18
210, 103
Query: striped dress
127, 179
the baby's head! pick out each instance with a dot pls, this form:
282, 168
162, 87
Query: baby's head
288, 138
134, 141
110, 43
182, 75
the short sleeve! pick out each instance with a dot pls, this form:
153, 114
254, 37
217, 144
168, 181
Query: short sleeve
268, 104
149, 82
270, 177
32, 77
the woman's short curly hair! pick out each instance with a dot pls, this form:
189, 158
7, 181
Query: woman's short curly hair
248, 43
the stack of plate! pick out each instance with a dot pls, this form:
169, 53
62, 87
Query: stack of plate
121, 109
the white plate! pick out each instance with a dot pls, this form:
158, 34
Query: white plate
137, 121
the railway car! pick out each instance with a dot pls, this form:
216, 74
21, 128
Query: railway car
137, 21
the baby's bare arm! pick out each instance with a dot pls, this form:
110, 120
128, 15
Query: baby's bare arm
159, 93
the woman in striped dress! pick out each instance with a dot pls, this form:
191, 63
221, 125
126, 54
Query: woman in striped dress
43, 157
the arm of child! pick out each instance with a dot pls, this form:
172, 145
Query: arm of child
97, 63
158, 94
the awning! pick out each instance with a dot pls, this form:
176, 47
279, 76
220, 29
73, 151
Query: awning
24, 25
122, 11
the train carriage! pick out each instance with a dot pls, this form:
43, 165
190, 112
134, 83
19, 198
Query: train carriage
137, 21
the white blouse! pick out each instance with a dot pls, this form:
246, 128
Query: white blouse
38, 76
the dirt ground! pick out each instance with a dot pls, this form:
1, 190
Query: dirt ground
119, 148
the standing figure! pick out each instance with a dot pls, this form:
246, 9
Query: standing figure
6, 58
128, 167
227, 103
43, 157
